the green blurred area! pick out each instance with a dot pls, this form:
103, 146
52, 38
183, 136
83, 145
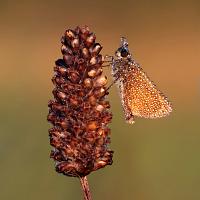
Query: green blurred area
153, 159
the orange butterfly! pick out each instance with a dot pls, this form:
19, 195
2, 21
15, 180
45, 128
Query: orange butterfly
139, 95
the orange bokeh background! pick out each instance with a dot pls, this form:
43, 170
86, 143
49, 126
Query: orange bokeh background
153, 159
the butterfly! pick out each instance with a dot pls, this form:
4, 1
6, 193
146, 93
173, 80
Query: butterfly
139, 95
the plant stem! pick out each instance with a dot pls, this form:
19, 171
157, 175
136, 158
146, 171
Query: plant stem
85, 188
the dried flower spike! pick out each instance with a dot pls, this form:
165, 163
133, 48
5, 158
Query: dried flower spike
79, 112
139, 95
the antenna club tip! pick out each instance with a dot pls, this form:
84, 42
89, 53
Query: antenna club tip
124, 41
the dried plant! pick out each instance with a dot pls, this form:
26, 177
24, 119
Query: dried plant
79, 111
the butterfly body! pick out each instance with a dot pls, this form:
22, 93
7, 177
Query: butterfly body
139, 95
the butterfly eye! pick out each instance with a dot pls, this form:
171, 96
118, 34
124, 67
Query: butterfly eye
124, 52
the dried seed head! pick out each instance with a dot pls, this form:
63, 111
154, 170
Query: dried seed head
100, 92
100, 81
66, 50
95, 49
88, 83
92, 126
90, 39
75, 43
79, 112
74, 76
60, 63
73, 101
93, 61
61, 70
69, 34
92, 99
69, 59
84, 32
85, 52
95, 72
100, 108
61, 95
92, 73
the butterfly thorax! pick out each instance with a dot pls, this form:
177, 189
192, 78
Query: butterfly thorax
122, 66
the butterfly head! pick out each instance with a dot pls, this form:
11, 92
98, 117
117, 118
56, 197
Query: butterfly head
123, 51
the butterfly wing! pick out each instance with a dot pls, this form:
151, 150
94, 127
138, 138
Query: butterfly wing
141, 98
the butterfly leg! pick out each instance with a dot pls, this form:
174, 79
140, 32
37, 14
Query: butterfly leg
108, 61
129, 117
108, 57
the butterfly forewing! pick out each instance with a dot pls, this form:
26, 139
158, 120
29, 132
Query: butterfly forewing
140, 97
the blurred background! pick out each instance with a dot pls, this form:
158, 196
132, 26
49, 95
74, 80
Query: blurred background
153, 159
